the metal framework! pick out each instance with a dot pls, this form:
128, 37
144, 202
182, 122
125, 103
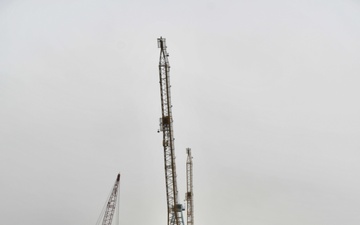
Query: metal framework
166, 126
111, 204
189, 189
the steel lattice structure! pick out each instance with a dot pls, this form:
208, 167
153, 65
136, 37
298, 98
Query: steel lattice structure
111, 204
166, 126
189, 189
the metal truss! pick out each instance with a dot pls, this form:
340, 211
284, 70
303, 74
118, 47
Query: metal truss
166, 126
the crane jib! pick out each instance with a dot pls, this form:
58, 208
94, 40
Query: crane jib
166, 127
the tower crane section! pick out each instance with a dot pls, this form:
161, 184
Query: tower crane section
111, 203
174, 209
189, 189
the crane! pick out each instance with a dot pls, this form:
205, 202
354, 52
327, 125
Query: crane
174, 209
111, 204
189, 188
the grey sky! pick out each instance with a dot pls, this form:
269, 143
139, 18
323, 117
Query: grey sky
264, 92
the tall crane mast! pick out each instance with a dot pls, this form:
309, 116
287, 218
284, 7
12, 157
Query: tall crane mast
111, 204
189, 189
166, 126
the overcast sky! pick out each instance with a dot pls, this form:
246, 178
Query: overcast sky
266, 93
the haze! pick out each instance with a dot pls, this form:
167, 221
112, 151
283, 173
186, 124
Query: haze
266, 93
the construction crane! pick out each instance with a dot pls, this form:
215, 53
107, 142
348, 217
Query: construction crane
174, 209
189, 189
110, 207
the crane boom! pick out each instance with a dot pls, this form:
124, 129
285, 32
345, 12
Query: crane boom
189, 188
166, 126
111, 204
